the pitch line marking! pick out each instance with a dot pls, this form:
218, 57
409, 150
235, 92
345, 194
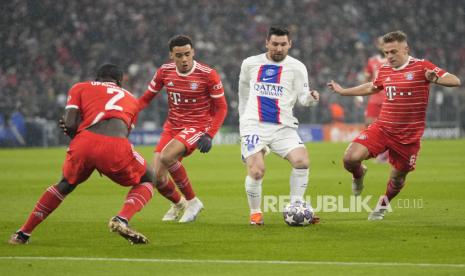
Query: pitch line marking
92, 259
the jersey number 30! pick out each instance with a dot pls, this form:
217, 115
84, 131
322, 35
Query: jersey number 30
111, 103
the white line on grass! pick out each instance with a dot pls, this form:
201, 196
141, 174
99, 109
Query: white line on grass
91, 259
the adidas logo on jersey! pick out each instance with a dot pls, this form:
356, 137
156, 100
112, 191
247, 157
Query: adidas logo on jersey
170, 83
388, 79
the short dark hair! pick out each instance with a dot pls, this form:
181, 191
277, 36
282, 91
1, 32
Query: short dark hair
110, 72
180, 40
398, 36
279, 31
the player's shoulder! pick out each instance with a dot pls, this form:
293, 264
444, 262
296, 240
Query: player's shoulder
81, 85
168, 66
254, 59
290, 60
204, 68
416, 61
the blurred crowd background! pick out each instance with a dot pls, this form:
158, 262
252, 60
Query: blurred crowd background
48, 45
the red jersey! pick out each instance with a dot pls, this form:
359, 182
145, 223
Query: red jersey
98, 101
192, 97
406, 91
371, 70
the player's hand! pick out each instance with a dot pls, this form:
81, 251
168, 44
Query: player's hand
431, 76
62, 125
334, 86
205, 143
315, 95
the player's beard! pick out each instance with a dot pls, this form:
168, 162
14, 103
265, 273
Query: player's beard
278, 57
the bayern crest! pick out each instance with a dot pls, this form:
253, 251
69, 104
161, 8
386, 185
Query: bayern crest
409, 76
194, 85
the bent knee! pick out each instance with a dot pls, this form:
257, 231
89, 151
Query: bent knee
351, 157
256, 173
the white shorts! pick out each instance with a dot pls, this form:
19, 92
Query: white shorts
280, 139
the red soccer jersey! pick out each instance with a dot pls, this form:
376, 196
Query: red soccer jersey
406, 91
371, 69
190, 96
98, 101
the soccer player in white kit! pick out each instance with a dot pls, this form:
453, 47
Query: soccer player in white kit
269, 86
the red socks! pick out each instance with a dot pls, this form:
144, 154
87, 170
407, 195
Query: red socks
391, 191
179, 175
168, 190
47, 203
136, 199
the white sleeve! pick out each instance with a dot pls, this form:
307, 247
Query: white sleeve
302, 87
244, 87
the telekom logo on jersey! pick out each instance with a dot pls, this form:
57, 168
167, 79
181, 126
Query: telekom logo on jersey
391, 92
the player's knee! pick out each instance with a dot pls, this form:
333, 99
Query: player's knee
300, 163
167, 160
256, 173
350, 158
161, 181
64, 187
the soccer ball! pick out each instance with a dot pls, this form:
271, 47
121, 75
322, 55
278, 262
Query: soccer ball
298, 213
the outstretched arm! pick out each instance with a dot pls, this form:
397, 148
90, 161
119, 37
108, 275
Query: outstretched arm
448, 79
361, 90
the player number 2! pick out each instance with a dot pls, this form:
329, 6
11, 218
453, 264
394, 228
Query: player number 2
111, 103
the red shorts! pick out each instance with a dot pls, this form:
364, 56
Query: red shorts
403, 157
373, 110
188, 136
112, 156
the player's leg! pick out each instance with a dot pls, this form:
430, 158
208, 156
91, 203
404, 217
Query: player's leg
140, 177
166, 187
253, 185
164, 184
170, 157
403, 160
370, 142
353, 157
76, 169
395, 184
298, 158
47, 203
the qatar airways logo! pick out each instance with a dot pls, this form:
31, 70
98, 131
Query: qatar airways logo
268, 89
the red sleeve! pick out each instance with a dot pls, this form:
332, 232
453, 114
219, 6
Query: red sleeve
215, 86
428, 65
220, 108
74, 96
378, 81
155, 85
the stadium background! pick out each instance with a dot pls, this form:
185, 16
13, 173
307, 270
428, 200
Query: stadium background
48, 45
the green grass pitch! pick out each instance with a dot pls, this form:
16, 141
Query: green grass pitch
75, 240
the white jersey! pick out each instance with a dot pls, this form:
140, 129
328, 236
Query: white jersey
269, 90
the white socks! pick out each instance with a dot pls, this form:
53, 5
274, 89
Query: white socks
298, 183
253, 189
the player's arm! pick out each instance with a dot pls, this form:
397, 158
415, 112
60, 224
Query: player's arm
447, 79
361, 90
306, 96
244, 87
220, 109
70, 122
155, 85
